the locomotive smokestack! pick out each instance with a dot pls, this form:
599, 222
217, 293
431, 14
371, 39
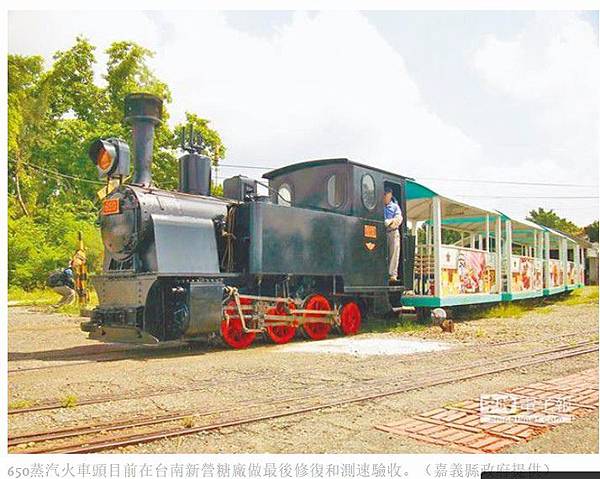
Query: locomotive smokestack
143, 111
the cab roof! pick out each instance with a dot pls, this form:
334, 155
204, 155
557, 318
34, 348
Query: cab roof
322, 162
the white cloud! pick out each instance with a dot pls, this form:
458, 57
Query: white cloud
329, 85
552, 68
324, 85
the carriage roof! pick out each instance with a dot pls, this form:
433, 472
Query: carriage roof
470, 218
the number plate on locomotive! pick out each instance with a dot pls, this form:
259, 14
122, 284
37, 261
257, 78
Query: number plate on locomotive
111, 207
370, 231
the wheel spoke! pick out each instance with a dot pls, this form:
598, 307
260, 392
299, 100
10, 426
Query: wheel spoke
232, 331
316, 330
281, 334
350, 318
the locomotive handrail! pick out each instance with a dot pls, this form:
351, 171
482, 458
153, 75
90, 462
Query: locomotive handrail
465, 248
526, 256
276, 299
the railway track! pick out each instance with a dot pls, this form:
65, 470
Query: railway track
175, 351
47, 406
173, 390
92, 438
110, 355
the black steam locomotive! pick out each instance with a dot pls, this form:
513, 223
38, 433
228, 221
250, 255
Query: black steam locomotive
183, 264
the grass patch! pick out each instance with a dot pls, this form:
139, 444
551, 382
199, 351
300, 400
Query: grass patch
400, 326
509, 310
585, 295
47, 297
20, 404
70, 400
516, 309
188, 422
28, 298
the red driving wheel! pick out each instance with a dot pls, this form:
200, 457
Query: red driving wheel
350, 318
316, 330
282, 333
233, 333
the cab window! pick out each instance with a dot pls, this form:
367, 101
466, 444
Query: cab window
284, 195
334, 192
367, 191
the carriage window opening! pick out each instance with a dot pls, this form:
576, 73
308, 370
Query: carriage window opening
284, 196
333, 192
367, 187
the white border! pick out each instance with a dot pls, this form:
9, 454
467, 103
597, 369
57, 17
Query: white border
413, 464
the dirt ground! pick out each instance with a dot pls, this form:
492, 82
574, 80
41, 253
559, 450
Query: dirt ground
50, 359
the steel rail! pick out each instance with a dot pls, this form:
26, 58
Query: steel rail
106, 356
563, 352
103, 444
258, 376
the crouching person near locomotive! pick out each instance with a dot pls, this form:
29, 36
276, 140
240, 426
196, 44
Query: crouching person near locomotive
393, 219
63, 283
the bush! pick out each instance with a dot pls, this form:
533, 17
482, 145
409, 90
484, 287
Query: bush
43, 242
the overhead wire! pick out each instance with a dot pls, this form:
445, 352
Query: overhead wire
57, 173
462, 180
467, 180
530, 197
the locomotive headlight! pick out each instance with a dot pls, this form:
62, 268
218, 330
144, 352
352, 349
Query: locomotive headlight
111, 157
106, 156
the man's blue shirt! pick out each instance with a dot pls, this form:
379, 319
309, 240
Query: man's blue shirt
391, 210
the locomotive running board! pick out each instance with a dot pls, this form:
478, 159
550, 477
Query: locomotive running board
374, 289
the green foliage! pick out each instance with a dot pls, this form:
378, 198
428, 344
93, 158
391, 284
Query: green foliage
53, 116
20, 404
585, 295
128, 71
71, 81
591, 231
448, 236
508, 310
550, 219
42, 243
70, 400
213, 146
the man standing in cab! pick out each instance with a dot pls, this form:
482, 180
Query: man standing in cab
393, 219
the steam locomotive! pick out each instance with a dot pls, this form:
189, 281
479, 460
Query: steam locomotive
310, 256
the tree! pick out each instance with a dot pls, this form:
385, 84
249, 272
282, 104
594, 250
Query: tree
24, 116
71, 81
166, 173
591, 231
550, 219
128, 71
53, 116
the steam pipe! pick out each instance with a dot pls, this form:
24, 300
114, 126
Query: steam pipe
143, 111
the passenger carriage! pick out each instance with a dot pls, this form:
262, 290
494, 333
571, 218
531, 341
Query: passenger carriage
468, 255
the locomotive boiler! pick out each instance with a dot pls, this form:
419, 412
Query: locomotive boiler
180, 265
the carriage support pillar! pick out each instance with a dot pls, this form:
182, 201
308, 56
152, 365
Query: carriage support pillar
437, 244
508, 246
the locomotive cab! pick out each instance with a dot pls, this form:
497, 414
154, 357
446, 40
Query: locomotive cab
355, 191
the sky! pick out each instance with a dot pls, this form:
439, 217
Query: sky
437, 96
